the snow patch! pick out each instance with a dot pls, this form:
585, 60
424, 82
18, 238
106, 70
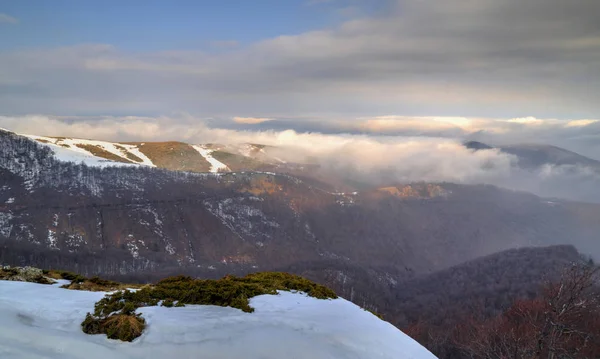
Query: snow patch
52, 240
67, 150
215, 165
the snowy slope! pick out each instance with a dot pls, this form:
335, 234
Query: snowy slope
215, 165
69, 145
40, 321
69, 155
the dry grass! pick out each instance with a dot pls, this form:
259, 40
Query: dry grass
96, 284
101, 152
93, 284
128, 154
122, 326
237, 162
175, 156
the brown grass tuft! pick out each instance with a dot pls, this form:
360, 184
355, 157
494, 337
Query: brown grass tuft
125, 327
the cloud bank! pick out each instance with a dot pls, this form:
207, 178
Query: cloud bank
379, 151
443, 57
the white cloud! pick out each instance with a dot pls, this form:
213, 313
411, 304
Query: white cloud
580, 123
526, 121
251, 120
7, 19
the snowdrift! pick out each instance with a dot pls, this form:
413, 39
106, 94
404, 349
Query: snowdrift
43, 321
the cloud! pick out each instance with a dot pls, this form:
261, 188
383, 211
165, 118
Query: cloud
371, 159
580, 123
454, 58
526, 121
251, 120
7, 19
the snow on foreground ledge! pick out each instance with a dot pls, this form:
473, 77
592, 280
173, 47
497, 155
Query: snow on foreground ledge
42, 321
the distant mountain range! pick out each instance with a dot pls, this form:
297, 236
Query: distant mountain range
534, 155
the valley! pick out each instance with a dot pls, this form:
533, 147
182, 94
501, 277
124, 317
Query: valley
140, 222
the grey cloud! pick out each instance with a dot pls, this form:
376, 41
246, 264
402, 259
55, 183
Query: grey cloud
485, 58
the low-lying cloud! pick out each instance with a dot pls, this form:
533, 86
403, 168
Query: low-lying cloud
370, 154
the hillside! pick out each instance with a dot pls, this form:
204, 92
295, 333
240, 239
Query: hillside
141, 222
44, 320
485, 286
171, 155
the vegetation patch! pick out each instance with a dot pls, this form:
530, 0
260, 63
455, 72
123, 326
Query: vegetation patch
63, 274
96, 284
174, 156
24, 274
97, 150
229, 291
237, 162
378, 315
125, 327
130, 156
93, 284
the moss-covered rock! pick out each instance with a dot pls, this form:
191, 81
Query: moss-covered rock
24, 274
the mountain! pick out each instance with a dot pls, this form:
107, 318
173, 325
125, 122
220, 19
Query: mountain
171, 155
38, 320
142, 222
535, 155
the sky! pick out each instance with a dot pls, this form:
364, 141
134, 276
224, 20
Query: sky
510, 70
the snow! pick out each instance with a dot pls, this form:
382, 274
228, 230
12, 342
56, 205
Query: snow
69, 155
73, 153
136, 151
42, 321
215, 165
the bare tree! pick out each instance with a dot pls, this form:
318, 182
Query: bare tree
564, 322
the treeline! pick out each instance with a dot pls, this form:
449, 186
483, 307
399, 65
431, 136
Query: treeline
487, 285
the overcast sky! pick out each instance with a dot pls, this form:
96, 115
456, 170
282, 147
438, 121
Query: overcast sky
493, 69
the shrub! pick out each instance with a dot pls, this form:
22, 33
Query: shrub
61, 274
24, 274
378, 315
229, 291
125, 327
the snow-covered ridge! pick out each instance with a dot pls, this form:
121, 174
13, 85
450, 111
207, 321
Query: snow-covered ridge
43, 321
73, 149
